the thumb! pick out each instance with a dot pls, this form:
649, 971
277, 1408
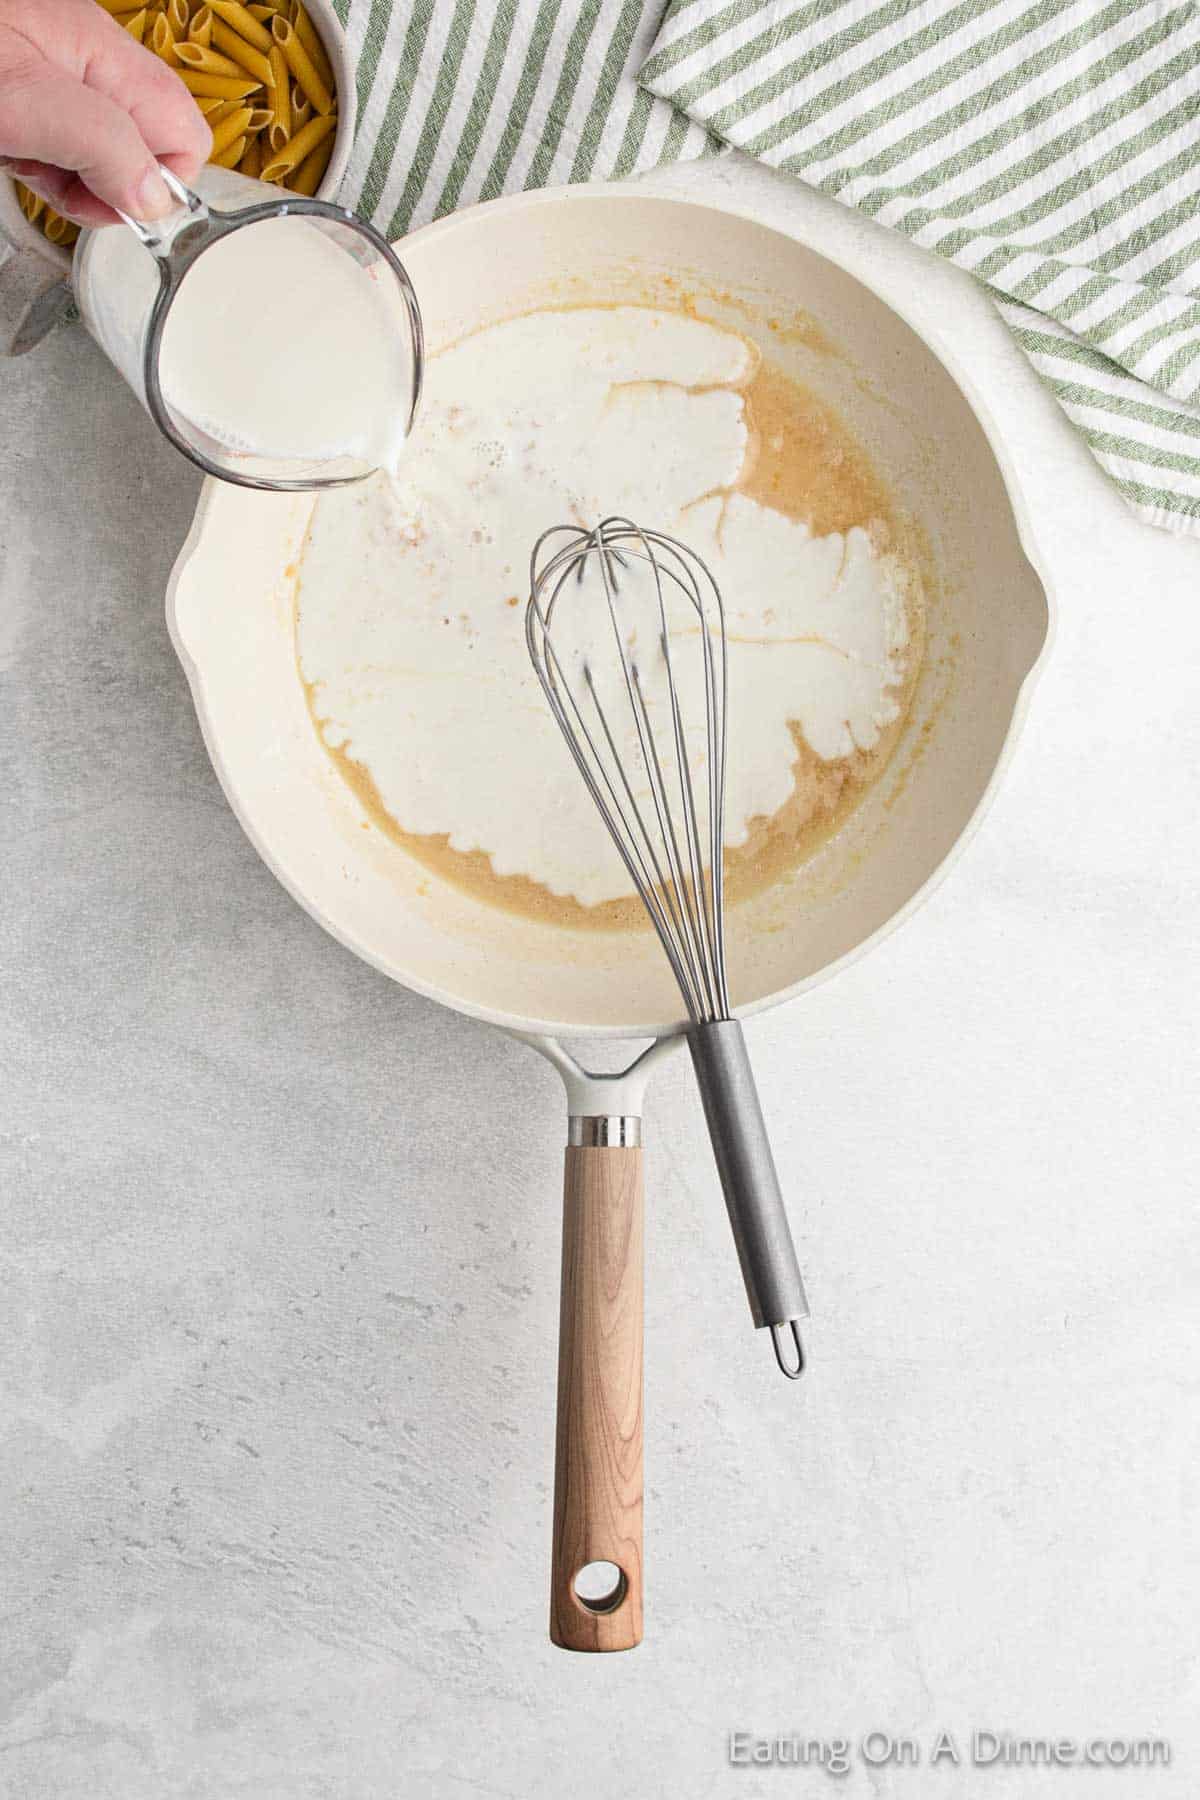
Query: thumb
59, 120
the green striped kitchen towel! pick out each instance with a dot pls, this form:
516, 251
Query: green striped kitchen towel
1051, 149
462, 100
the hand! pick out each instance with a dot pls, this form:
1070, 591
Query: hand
85, 112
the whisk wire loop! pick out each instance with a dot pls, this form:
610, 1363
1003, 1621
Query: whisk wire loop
635, 847
670, 842
678, 897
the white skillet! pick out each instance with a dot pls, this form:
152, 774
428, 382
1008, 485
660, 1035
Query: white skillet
230, 608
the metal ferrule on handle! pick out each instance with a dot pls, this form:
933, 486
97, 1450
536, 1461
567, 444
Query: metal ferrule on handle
604, 1131
740, 1144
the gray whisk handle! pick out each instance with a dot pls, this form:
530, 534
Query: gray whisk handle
747, 1169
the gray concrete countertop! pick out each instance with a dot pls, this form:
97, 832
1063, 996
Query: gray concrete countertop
279, 1244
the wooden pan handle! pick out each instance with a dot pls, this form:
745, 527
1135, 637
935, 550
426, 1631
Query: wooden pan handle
598, 1449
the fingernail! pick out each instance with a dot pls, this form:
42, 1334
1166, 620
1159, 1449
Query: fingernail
153, 196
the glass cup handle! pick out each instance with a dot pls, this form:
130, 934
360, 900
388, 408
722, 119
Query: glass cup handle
158, 235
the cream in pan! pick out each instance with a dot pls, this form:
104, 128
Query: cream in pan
410, 625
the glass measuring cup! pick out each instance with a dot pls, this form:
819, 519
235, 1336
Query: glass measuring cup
128, 284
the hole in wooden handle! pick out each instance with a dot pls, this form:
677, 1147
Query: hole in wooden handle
600, 1586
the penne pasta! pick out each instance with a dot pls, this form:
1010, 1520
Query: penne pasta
306, 31
177, 18
230, 158
32, 205
210, 62
301, 109
298, 147
281, 91
217, 87
264, 14
300, 63
114, 6
251, 163
209, 107
277, 139
161, 41
133, 23
226, 39
244, 23
228, 131
199, 29
225, 109
59, 230
307, 178
260, 118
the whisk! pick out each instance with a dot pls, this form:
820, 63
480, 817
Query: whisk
616, 673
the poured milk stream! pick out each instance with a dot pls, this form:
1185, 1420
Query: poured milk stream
411, 623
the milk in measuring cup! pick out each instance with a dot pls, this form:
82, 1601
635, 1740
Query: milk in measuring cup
279, 347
